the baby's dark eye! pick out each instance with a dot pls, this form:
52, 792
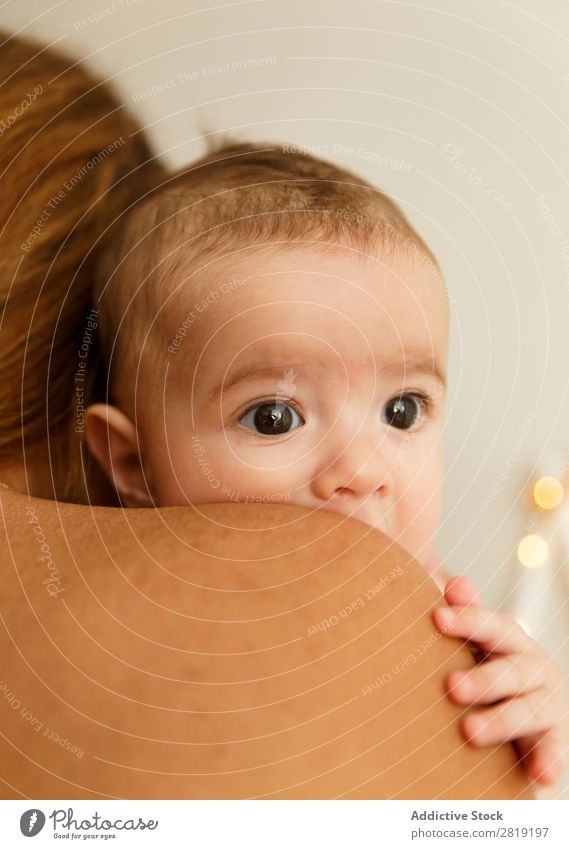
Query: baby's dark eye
271, 418
404, 411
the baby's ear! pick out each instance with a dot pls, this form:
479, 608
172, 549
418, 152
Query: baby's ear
112, 440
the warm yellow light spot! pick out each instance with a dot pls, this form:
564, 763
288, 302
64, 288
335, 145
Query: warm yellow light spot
548, 492
532, 551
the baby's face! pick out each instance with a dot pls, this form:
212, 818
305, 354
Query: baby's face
316, 379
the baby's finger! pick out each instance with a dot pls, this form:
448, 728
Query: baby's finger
491, 630
531, 713
543, 757
498, 678
460, 590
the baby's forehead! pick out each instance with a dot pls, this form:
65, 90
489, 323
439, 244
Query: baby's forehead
304, 310
357, 285
322, 272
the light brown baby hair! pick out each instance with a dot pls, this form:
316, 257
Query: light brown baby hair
237, 196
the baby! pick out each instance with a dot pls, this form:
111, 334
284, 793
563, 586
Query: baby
275, 330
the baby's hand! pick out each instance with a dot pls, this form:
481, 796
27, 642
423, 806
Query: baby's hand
533, 706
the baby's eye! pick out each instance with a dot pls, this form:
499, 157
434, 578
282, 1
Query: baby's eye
271, 418
405, 411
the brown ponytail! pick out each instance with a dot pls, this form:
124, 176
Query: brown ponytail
71, 161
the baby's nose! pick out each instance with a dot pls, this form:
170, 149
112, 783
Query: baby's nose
358, 470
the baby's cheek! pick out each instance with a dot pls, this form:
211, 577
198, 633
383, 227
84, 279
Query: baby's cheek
215, 471
418, 511
184, 470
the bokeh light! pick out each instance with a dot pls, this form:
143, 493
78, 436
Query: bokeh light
548, 492
532, 551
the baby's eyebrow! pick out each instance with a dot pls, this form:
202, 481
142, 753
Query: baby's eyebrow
252, 372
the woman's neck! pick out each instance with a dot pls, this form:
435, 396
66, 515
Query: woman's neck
30, 478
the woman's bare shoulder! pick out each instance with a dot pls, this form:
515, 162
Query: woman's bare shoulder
282, 537
225, 651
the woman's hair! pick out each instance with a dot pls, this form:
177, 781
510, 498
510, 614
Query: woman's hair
238, 195
71, 161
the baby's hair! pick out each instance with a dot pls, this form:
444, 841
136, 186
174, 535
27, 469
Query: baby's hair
238, 195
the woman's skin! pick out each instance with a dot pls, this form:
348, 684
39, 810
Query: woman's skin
225, 651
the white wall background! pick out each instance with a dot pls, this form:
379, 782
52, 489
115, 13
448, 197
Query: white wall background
372, 83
